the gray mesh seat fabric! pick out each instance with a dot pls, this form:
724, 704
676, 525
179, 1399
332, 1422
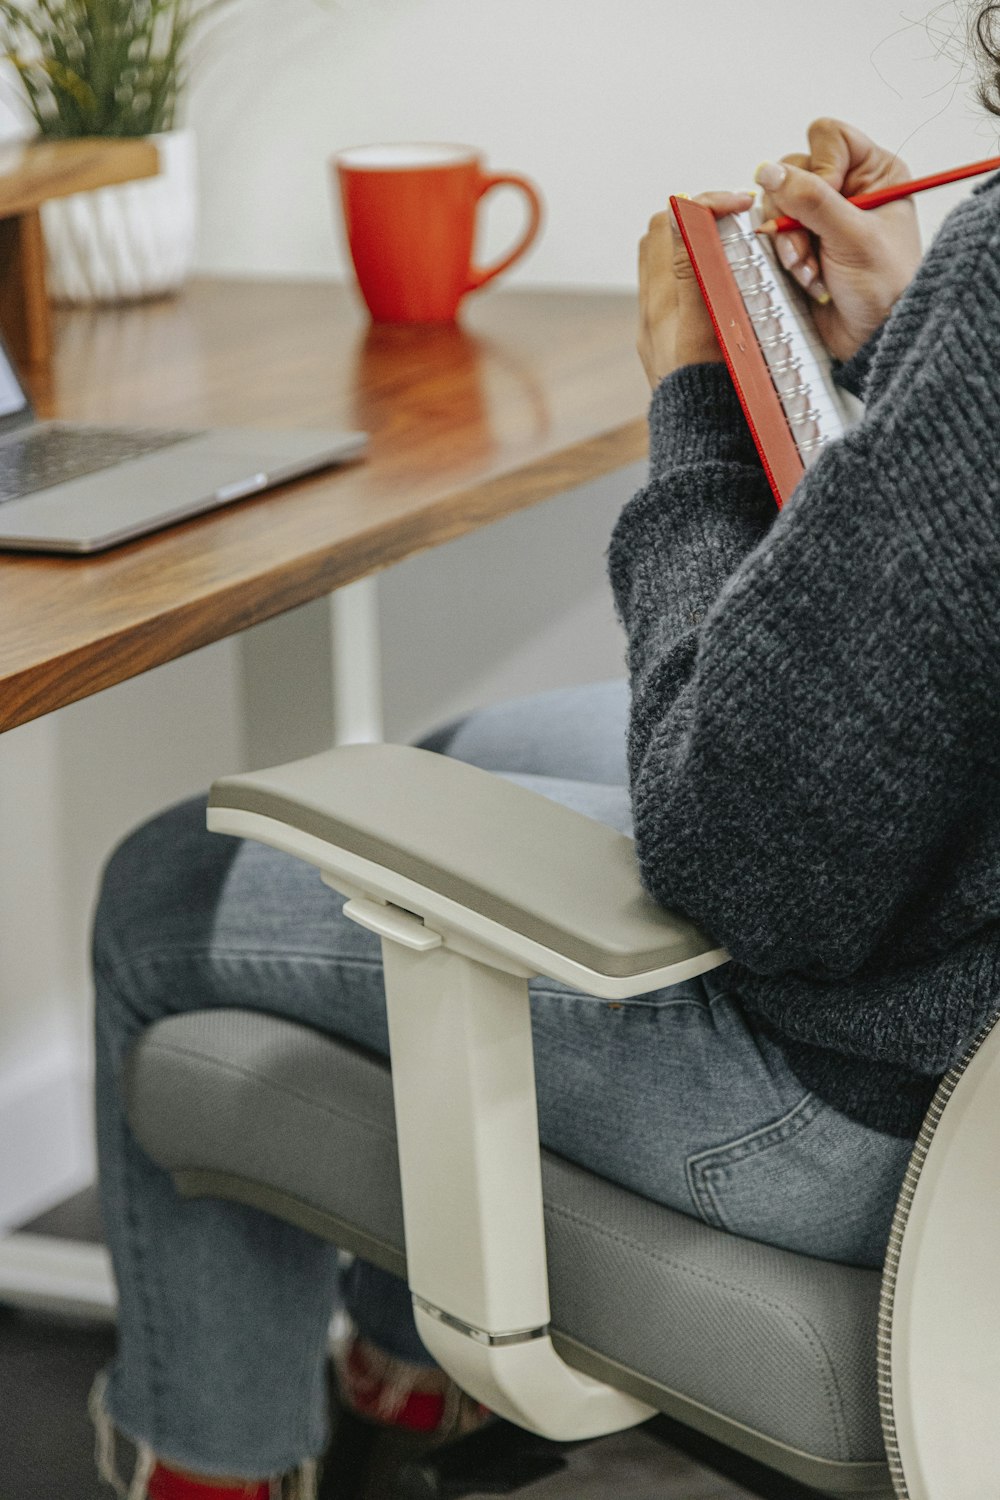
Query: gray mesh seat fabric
729, 1335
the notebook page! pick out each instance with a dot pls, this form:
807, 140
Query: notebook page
800, 366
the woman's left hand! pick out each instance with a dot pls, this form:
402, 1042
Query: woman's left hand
674, 326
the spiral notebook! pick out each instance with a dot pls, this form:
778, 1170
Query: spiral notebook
779, 365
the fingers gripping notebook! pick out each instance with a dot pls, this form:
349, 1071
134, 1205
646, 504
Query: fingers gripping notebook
779, 365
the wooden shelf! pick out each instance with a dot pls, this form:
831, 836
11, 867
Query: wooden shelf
30, 174
33, 171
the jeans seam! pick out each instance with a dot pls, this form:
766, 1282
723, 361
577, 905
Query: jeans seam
142, 1279
630, 1002
705, 1170
201, 951
539, 987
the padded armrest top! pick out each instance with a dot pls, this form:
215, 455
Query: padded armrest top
509, 854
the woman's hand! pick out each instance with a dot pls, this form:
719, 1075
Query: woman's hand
854, 262
674, 326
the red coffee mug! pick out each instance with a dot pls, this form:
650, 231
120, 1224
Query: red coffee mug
410, 216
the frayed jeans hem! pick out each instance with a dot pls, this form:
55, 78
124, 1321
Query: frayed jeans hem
297, 1483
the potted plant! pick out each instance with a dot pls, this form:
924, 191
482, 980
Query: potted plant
112, 68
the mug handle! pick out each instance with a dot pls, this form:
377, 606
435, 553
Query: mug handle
479, 276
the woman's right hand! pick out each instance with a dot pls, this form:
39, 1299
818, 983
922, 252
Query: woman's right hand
854, 262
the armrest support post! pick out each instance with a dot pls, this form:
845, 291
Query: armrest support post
464, 1082
470, 1169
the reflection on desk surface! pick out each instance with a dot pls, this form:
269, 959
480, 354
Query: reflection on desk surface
534, 393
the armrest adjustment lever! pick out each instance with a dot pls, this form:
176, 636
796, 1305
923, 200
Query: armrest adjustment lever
392, 922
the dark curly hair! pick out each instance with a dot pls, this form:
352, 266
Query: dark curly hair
986, 28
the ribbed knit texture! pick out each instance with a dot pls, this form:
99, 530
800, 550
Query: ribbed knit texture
814, 745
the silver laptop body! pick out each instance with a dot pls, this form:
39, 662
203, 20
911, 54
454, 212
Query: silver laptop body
134, 479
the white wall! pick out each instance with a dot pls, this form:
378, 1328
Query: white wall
70, 785
609, 107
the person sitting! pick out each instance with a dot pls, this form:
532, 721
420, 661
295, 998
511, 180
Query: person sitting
805, 751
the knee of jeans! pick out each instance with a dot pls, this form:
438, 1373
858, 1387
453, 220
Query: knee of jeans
169, 864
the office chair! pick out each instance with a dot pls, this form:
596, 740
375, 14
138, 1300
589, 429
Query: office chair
566, 1303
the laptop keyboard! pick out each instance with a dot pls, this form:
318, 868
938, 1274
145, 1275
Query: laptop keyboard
39, 460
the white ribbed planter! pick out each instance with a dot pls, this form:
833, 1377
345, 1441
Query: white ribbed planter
118, 244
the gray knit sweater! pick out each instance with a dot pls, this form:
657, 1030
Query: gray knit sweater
814, 745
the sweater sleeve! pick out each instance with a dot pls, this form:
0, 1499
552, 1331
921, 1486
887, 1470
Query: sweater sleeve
811, 690
852, 374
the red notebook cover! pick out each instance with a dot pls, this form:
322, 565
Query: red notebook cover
734, 330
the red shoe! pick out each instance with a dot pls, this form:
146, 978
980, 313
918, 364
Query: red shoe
165, 1483
380, 1388
168, 1484
387, 1413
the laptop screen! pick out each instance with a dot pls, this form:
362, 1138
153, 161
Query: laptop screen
14, 404
12, 398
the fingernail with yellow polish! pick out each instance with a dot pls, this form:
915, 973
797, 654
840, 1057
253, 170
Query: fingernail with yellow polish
820, 293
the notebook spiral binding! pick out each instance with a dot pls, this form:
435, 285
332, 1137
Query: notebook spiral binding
754, 278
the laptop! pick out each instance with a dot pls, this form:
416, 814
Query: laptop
80, 488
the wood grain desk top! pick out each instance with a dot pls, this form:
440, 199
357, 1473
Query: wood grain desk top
535, 393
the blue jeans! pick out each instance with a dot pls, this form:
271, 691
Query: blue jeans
224, 1309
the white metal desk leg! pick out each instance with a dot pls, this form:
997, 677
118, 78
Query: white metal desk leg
72, 1276
356, 662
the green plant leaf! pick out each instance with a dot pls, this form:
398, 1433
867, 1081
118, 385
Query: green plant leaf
102, 67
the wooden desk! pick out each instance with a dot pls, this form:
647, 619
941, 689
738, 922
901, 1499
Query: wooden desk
537, 392
540, 391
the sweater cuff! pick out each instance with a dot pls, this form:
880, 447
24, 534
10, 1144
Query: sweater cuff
852, 374
695, 417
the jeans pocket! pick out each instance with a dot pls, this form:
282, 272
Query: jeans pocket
727, 1180
812, 1181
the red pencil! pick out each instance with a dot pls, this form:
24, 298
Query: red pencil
890, 194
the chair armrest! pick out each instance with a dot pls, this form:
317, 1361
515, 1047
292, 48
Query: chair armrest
475, 884
472, 854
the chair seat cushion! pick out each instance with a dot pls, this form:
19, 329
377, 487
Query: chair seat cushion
274, 1114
